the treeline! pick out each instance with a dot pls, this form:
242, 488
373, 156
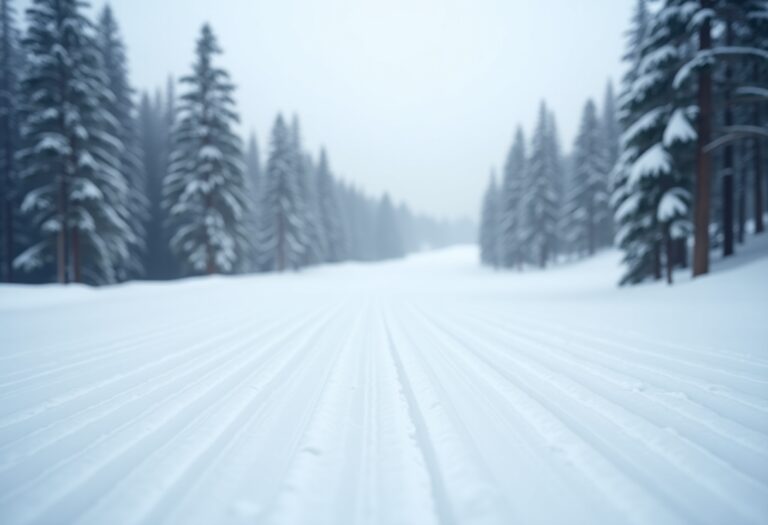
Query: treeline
689, 177
100, 187
546, 205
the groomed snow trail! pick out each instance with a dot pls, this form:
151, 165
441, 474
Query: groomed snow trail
423, 391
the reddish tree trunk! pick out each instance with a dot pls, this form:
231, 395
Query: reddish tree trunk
758, 166
703, 159
727, 188
76, 259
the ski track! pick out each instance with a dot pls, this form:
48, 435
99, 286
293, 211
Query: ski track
389, 399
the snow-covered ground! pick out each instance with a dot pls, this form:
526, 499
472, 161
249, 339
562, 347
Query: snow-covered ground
420, 391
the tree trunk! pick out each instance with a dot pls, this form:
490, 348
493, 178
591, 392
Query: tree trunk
681, 252
62, 255
77, 275
703, 159
727, 187
7, 270
741, 200
656, 260
757, 159
669, 247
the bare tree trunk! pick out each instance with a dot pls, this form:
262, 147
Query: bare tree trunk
741, 198
669, 247
727, 181
7, 270
62, 254
657, 260
757, 159
703, 159
77, 275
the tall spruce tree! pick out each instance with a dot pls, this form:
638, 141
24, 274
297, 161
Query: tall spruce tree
10, 102
511, 212
205, 191
75, 192
281, 225
329, 211
588, 208
652, 194
122, 108
542, 194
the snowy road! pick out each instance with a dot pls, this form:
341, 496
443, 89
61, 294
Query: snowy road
422, 391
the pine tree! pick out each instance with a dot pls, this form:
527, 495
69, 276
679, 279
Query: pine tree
652, 190
121, 106
281, 227
311, 236
490, 249
75, 194
329, 212
205, 192
10, 101
543, 185
588, 208
511, 213
254, 181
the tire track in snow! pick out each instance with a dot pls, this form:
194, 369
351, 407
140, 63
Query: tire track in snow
733, 442
665, 451
110, 454
171, 468
152, 385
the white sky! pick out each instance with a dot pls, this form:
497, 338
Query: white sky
416, 97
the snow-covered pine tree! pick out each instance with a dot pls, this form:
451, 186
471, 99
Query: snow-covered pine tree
311, 236
122, 108
389, 238
588, 208
511, 212
329, 211
75, 193
254, 178
652, 190
281, 226
541, 205
205, 192
11, 59
490, 226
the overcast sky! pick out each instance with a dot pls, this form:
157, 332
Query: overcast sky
416, 97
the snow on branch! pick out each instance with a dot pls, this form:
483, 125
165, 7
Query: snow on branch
707, 58
678, 129
654, 161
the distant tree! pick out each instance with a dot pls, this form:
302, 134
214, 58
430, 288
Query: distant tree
281, 227
490, 245
122, 108
388, 235
329, 212
76, 196
205, 192
588, 207
511, 204
542, 194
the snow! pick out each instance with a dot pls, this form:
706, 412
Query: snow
654, 161
678, 129
427, 390
672, 204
